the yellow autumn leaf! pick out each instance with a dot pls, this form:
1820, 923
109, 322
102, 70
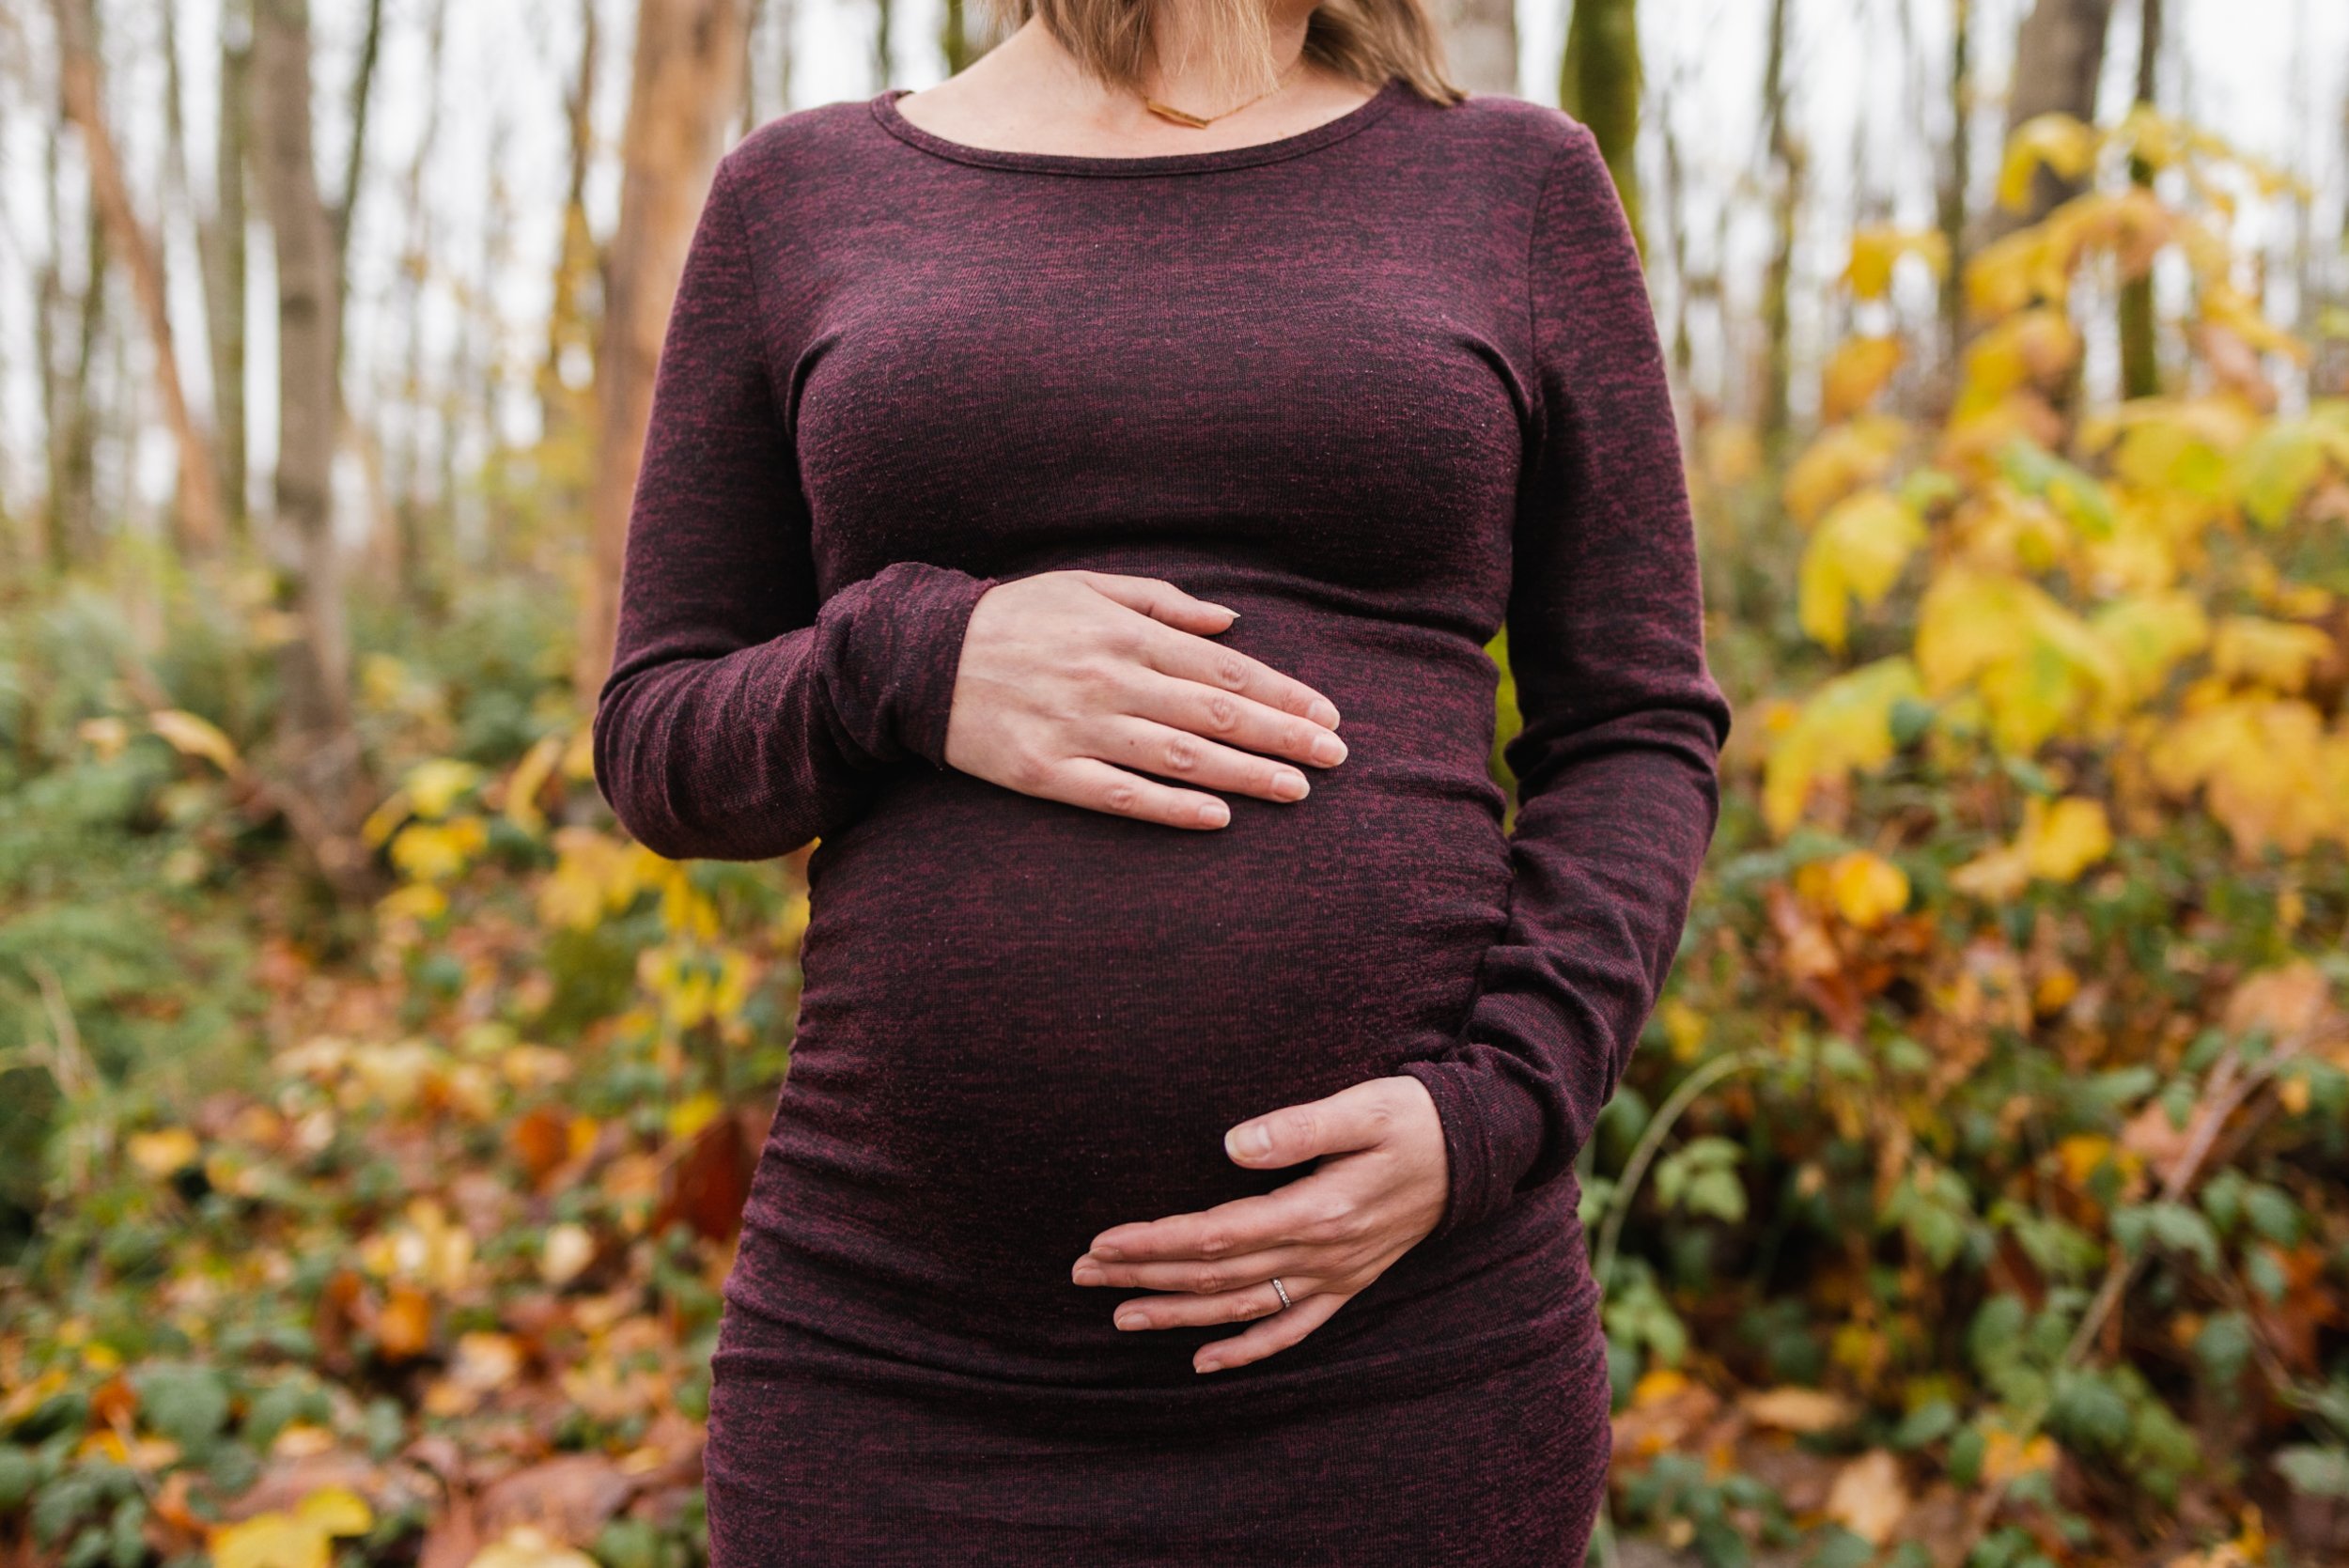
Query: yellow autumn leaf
191, 736
2277, 468
162, 1153
2057, 142
2227, 306
2059, 841
692, 1113
1845, 457
2010, 273
338, 1511
1683, 1027
2265, 767
1874, 252
1854, 373
273, 1540
1856, 553
301, 1539
2030, 347
528, 1546
1868, 889
435, 851
433, 787
1995, 876
1847, 726
2150, 635
2035, 664
2276, 654
528, 778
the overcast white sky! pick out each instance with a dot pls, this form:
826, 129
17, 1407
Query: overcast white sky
2269, 73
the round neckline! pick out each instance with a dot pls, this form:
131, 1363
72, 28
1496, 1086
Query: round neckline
885, 111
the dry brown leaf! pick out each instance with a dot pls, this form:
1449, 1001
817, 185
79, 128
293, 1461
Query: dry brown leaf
1793, 1409
1869, 1498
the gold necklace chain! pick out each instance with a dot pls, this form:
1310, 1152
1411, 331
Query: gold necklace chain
1184, 117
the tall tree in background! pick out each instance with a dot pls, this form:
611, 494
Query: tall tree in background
220, 242
1481, 43
953, 38
1786, 162
67, 414
1599, 83
681, 100
2058, 56
198, 518
1957, 180
412, 565
570, 329
326, 792
2141, 362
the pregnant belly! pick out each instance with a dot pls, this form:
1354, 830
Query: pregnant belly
1023, 1021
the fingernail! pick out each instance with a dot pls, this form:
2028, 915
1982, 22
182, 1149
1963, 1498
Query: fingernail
1328, 749
1248, 1142
1215, 814
1290, 786
1210, 1366
1323, 712
1088, 1274
1130, 1319
1109, 1254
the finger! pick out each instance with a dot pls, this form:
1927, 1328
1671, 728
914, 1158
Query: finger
1274, 1333
1143, 743
1097, 786
1234, 719
1356, 1117
1162, 601
1225, 669
1309, 1211
1201, 1311
1200, 1276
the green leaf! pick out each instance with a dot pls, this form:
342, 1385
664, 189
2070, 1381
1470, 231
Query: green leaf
2315, 1472
2224, 1347
188, 1404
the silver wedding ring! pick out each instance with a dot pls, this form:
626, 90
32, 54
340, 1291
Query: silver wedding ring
1278, 1291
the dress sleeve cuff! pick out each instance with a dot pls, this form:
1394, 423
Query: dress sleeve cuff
1492, 1127
891, 646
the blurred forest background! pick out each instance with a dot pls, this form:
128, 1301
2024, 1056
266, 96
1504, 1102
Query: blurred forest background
375, 1118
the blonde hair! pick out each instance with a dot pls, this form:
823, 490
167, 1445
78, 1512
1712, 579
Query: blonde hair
1368, 40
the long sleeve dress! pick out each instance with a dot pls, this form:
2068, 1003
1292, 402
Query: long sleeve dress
1380, 385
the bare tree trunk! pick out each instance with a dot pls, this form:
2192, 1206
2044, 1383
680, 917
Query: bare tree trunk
1480, 40
883, 55
413, 575
688, 68
198, 516
2140, 362
2059, 55
953, 38
355, 156
1957, 184
1599, 84
220, 244
1786, 159
319, 758
570, 333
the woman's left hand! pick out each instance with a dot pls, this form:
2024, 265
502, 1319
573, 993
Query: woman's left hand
1378, 1192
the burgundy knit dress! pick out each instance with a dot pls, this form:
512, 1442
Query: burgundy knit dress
1378, 385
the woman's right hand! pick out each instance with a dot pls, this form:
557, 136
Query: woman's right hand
1070, 679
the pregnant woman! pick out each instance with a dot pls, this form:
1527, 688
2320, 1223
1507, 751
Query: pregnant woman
1090, 538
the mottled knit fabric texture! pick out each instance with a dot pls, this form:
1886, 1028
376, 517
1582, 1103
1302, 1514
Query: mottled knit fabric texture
1383, 386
